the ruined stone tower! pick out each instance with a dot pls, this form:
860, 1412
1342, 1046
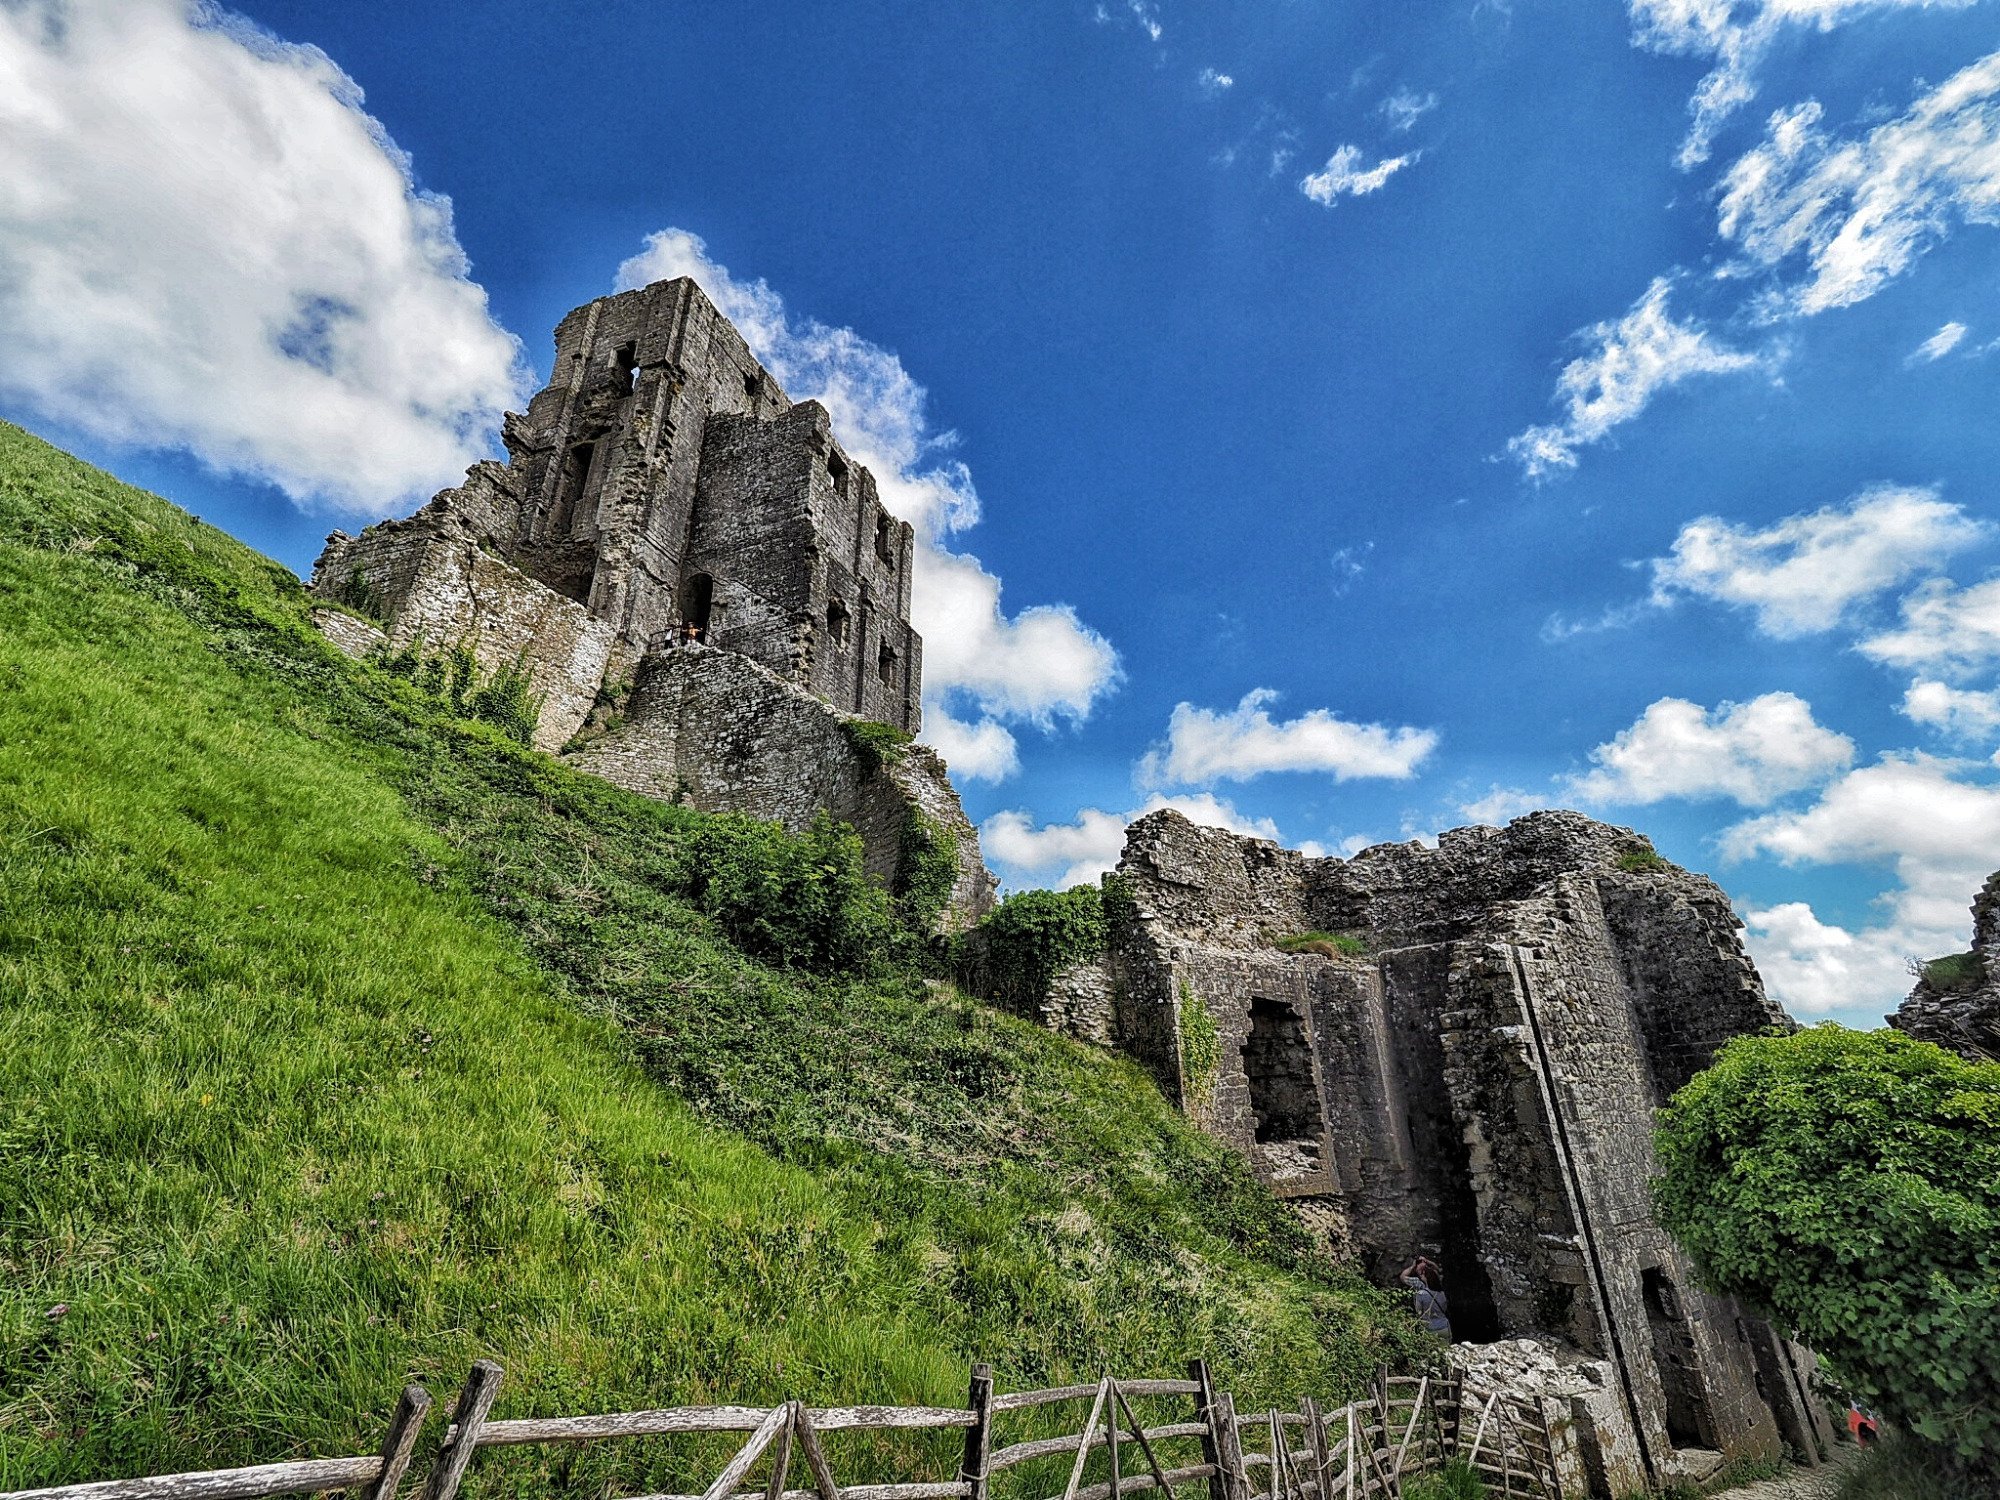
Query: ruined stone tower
662, 479
661, 487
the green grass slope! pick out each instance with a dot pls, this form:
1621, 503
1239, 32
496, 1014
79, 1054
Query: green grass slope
343, 1041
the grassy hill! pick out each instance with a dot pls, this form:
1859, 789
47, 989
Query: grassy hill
343, 1040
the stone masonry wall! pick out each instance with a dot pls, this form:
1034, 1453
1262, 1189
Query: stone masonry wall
1967, 1019
713, 730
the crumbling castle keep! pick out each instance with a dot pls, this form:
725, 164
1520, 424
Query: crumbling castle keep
1465, 1063
690, 572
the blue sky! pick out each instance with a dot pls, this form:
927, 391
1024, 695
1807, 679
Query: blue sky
1346, 423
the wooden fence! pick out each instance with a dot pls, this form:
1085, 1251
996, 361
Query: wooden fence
1138, 1435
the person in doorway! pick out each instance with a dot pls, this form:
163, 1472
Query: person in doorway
690, 633
1426, 1283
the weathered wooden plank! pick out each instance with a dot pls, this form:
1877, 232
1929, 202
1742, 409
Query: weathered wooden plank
836, 1418
941, 1490
300, 1477
781, 1464
1145, 1446
1204, 1410
822, 1472
733, 1471
1016, 1400
475, 1401
975, 1467
622, 1424
411, 1409
1229, 1438
1083, 1442
1018, 1453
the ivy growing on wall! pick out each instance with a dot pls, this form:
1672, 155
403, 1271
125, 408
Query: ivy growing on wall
1200, 1047
927, 870
1032, 936
506, 698
875, 743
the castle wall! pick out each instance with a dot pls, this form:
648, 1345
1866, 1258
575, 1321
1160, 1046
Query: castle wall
1485, 1075
713, 730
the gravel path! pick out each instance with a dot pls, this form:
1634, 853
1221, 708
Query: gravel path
1800, 1484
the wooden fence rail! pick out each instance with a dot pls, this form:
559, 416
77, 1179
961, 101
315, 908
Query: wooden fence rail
1359, 1450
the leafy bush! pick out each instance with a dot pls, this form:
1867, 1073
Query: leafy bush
877, 744
927, 871
1332, 944
1033, 936
1848, 1183
800, 901
1896, 1468
452, 679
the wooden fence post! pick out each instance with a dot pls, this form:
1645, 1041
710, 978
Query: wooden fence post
1211, 1438
411, 1410
1236, 1483
979, 1436
1316, 1440
475, 1403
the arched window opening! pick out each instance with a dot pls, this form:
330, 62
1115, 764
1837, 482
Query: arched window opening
885, 663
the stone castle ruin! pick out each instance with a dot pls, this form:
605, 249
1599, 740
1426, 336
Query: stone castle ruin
712, 607
704, 592
1462, 1059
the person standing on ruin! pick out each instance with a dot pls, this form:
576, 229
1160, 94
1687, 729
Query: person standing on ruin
1426, 1283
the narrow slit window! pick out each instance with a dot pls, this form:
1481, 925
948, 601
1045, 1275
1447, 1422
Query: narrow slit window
837, 623
626, 363
885, 663
885, 547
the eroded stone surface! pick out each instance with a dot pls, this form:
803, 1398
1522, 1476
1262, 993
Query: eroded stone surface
1965, 1020
1476, 1083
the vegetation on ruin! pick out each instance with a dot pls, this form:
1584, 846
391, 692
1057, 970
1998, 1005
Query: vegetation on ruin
1200, 1046
345, 1040
1642, 861
453, 681
1901, 1468
1953, 974
1457, 1480
1032, 936
1331, 944
876, 743
1848, 1184
927, 871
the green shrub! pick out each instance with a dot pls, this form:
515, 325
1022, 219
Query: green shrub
1033, 936
451, 679
361, 596
1953, 974
801, 901
1897, 1467
1457, 1480
876, 743
1642, 862
1200, 1053
1848, 1184
1332, 944
926, 873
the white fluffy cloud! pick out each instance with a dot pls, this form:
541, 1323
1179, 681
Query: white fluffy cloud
1213, 83
1405, 107
1079, 851
1203, 746
1752, 752
1811, 967
1854, 214
1036, 666
1959, 713
1938, 345
1804, 573
1627, 363
1736, 34
1345, 177
1946, 629
205, 243
1935, 821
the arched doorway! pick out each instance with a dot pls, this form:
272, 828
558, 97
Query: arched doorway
698, 603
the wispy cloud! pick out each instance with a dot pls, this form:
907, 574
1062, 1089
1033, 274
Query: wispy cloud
1806, 572
1946, 630
1345, 177
166, 281
1625, 364
1203, 746
1851, 215
1938, 345
1957, 713
1037, 666
1737, 35
1405, 107
1214, 84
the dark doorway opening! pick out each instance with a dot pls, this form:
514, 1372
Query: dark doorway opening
1277, 1062
885, 664
569, 491
626, 363
698, 603
1690, 1423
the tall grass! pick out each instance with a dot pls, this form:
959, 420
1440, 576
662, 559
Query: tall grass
342, 1041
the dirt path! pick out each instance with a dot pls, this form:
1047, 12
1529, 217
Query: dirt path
1822, 1483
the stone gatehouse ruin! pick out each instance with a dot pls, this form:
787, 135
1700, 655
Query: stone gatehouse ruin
1462, 1058
692, 576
